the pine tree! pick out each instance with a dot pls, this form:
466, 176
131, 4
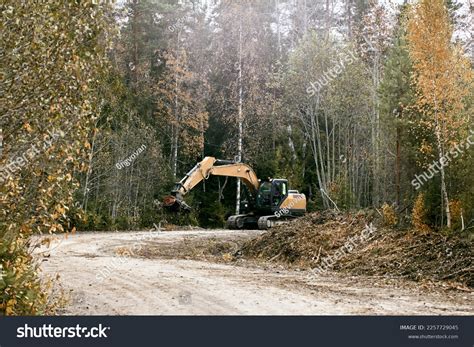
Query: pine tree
397, 97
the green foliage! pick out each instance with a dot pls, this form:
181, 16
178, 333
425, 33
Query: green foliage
95, 222
211, 211
342, 194
328, 122
397, 98
120, 187
462, 186
313, 206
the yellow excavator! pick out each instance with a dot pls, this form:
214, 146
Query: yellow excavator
270, 202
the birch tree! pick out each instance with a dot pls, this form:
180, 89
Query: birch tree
443, 78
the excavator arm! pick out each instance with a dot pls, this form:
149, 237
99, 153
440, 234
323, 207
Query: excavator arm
202, 171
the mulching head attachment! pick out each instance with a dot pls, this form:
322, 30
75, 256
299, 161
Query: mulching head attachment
174, 204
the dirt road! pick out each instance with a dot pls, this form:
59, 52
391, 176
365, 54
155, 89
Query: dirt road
105, 277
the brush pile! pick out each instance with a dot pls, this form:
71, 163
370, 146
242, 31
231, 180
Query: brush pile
310, 241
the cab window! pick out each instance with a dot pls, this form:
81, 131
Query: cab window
279, 191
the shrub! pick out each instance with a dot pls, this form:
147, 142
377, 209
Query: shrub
418, 215
389, 215
22, 292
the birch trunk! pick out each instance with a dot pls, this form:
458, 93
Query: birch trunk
444, 192
240, 120
88, 174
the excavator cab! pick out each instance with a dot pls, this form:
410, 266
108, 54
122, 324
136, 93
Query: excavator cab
271, 194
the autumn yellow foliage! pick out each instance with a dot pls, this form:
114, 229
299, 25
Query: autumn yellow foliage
48, 107
22, 291
389, 215
456, 213
443, 78
418, 215
443, 75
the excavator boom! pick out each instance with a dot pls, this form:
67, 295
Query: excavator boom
207, 167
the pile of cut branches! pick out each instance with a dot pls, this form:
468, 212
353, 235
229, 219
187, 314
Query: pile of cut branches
308, 241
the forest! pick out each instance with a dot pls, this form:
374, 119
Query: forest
360, 104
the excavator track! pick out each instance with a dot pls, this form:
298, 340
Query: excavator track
249, 221
241, 221
268, 222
